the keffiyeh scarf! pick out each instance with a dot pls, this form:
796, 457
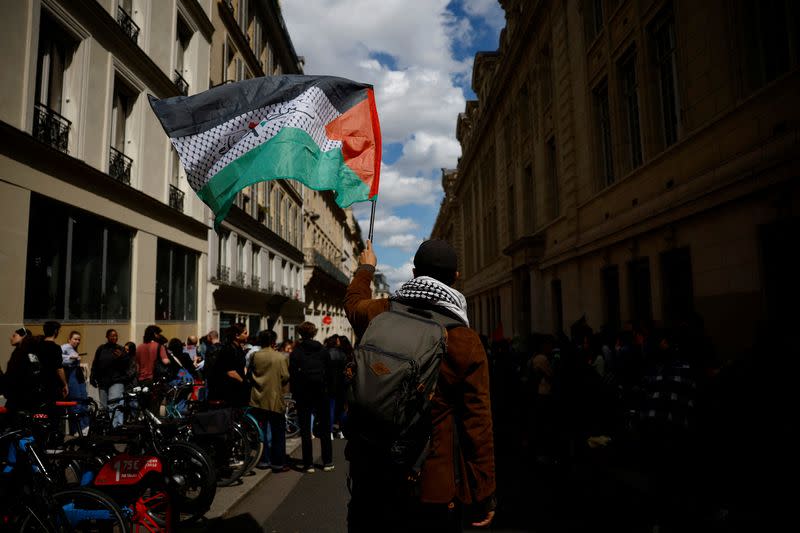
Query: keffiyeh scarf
436, 292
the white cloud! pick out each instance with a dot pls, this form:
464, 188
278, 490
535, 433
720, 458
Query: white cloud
396, 276
489, 10
407, 242
428, 150
397, 190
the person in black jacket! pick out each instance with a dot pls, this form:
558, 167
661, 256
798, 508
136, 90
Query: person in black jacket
309, 379
110, 374
226, 375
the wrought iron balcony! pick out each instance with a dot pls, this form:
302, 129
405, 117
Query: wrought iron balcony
240, 278
269, 288
176, 198
255, 282
181, 83
119, 166
315, 259
223, 273
51, 128
130, 28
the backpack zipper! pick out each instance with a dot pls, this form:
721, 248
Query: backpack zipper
405, 358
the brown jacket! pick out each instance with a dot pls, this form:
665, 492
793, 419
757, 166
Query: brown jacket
463, 385
270, 375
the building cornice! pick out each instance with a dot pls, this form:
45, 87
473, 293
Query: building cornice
23, 148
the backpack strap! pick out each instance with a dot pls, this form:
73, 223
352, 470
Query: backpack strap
428, 310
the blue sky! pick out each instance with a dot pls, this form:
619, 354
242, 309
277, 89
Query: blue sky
418, 54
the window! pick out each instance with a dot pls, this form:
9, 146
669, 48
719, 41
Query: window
229, 55
552, 179
663, 39
630, 105
489, 240
56, 48
176, 282
558, 305
603, 124
183, 36
676, 283
593, 18
641, 302
546, 78
511, 210
610, 278
530, 199
79, 265
771, 40
223, 265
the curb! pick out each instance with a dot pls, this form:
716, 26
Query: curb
227, 498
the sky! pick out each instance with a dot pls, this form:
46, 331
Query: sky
418, 55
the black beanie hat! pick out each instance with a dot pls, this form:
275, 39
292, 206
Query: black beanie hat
436, 255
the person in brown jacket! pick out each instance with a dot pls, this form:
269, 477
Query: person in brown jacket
459, 468
269, 373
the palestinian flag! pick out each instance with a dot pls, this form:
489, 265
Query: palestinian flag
322, 131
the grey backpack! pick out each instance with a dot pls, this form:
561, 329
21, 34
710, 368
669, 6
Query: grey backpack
392, 380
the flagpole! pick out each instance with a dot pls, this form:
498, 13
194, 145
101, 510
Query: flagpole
372, 220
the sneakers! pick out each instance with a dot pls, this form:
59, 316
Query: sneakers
280, 469
263, 466
309, 469
327, 468
339, 435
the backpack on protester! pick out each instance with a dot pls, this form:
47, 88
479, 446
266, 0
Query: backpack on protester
392, 380
308, 367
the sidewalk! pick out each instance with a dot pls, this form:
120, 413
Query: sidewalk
228, 497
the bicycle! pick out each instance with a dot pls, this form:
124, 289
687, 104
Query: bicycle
38, 505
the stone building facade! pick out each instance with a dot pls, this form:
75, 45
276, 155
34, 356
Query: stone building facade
100, 231
631, 160
331, 244
255, 261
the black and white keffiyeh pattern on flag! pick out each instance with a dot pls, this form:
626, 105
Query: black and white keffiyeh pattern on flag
436, 292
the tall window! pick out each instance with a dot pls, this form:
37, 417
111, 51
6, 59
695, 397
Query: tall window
121, 107
558, 305
223, 263
78, 265
630, 105
546, 77
610, 277
55, 54
183, 36
511, 210
593, 18
553, 200
176, 282
663, 38
489, 207
676, 283
603, 123
469, 220
641, 302
771, 39
530, 199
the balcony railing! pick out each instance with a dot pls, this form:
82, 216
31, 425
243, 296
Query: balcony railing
130, 28
181, 83
223, 273
316, 259
269, 288
176, 198
119, 166
240, 278
51, 128
255, 282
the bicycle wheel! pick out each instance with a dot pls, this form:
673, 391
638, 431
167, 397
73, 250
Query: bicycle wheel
253, 432
87, 510
153, 508
292, 422
193, 479
230, 452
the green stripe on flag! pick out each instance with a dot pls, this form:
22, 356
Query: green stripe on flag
290, 154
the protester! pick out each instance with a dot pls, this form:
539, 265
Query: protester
380, 501
54, 378
309, 371
71, 360
269, 374
226, 377
110, 374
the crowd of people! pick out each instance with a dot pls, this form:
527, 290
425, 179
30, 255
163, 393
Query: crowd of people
640, 427
237, 370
